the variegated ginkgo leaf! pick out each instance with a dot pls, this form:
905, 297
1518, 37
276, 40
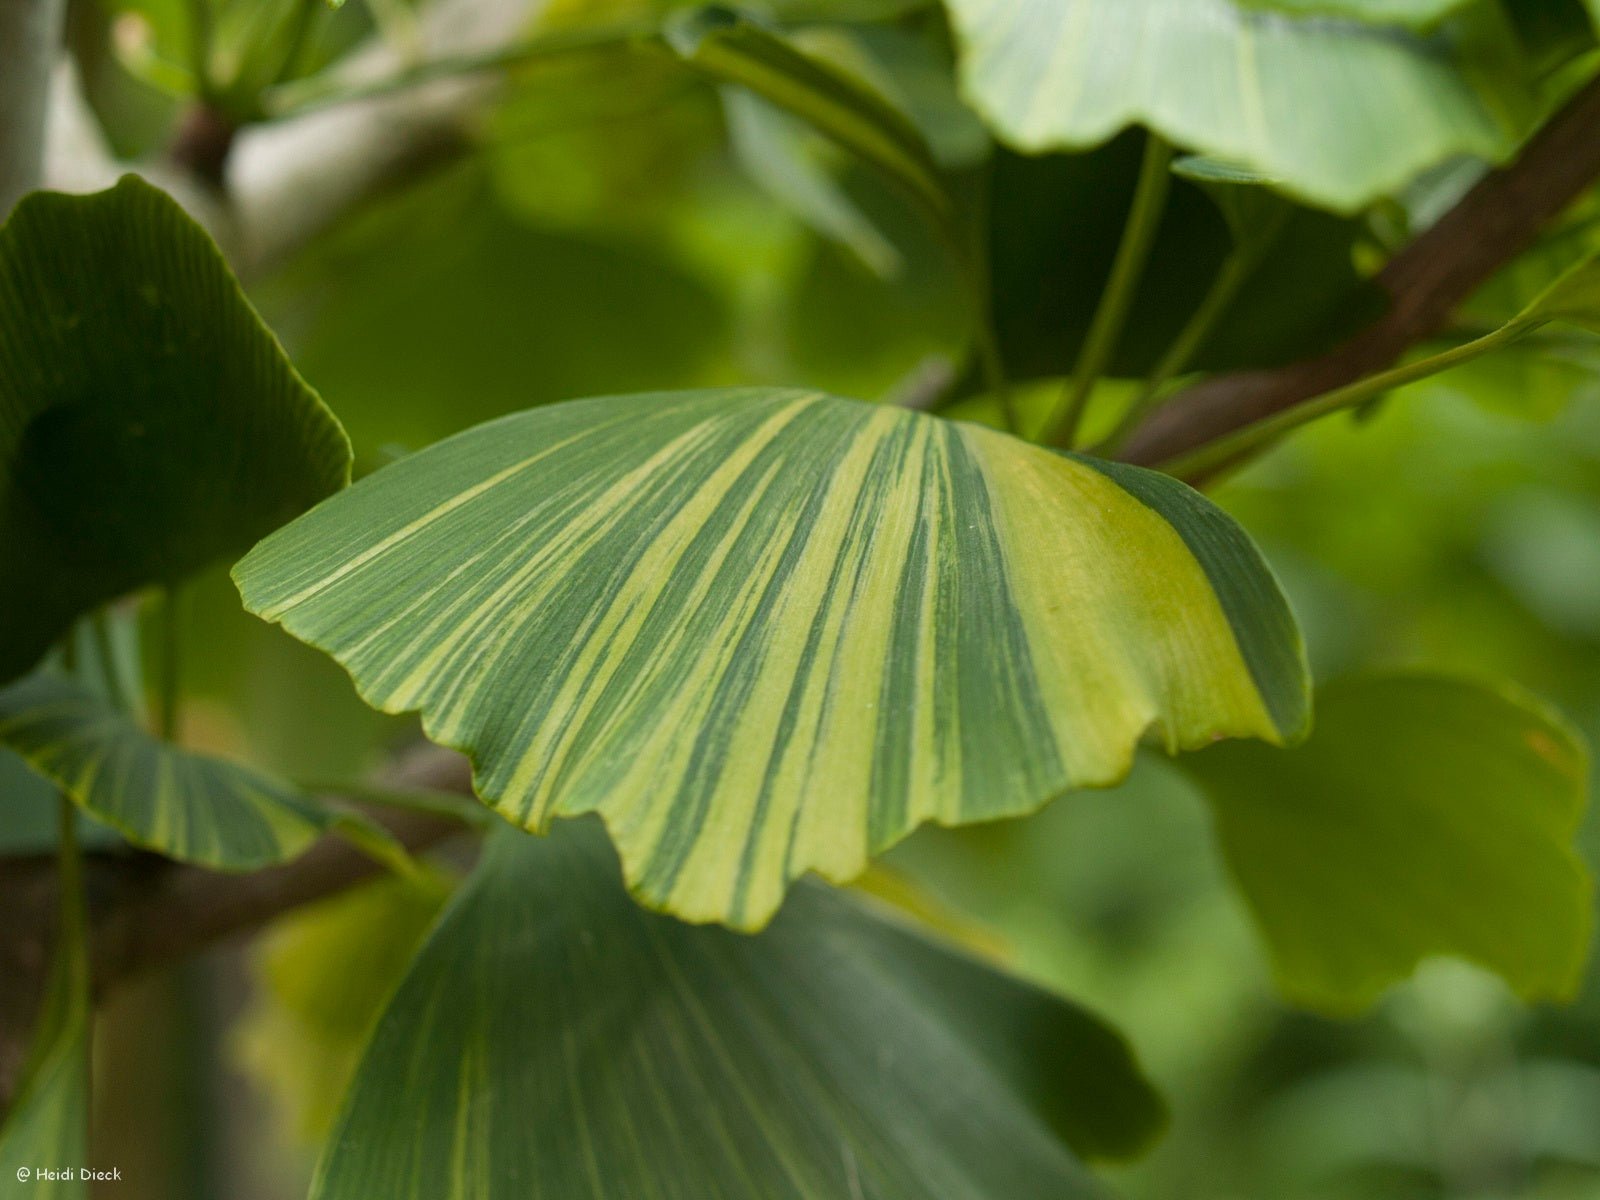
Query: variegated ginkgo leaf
765, 631
550, 1041
187, 806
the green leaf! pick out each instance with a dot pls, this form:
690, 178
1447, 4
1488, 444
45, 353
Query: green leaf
1423, 816
324, 975
1254, 213
1413, 14
149, 423
1342, 113
186, 806
767, 631
914, 72
771, 146
1574, 299
733, 49
422, 314
47, 1124
551, 1030
29, 823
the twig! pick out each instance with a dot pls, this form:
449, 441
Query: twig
1492, 224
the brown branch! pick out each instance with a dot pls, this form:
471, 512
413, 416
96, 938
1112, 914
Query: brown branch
1425, 282
146, 912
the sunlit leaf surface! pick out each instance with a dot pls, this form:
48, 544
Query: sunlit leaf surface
1339, 111
1423, 816
554, 1039
766, 631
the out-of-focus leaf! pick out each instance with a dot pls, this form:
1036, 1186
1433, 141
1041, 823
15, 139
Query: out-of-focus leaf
840, 1053
1413, 14
326, 973
1341, 113
437, 310
771, 145
707, 615
1055, 223
578, 12
1573, 299
1541, 545
914, 76
605, 141
47, 1124
1533, 380
732, 49
841, 328
29, 818
1254, 213
149, 422
186, 806
1423, 816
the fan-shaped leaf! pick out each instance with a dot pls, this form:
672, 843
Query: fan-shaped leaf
1341, 112
551, 1030
1423, 816
186, 806
767, 631
149, 423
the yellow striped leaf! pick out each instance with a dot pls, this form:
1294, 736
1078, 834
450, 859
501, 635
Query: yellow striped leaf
187, 806
767, 631
553, 1040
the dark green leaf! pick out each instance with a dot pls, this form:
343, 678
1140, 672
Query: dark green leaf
149, 423
550, 1030
1054, 226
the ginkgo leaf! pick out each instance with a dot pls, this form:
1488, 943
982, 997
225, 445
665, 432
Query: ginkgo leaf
323, 975
766, 631
149, 422
1423, 816
1341, 112
552, 1031
187, 806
